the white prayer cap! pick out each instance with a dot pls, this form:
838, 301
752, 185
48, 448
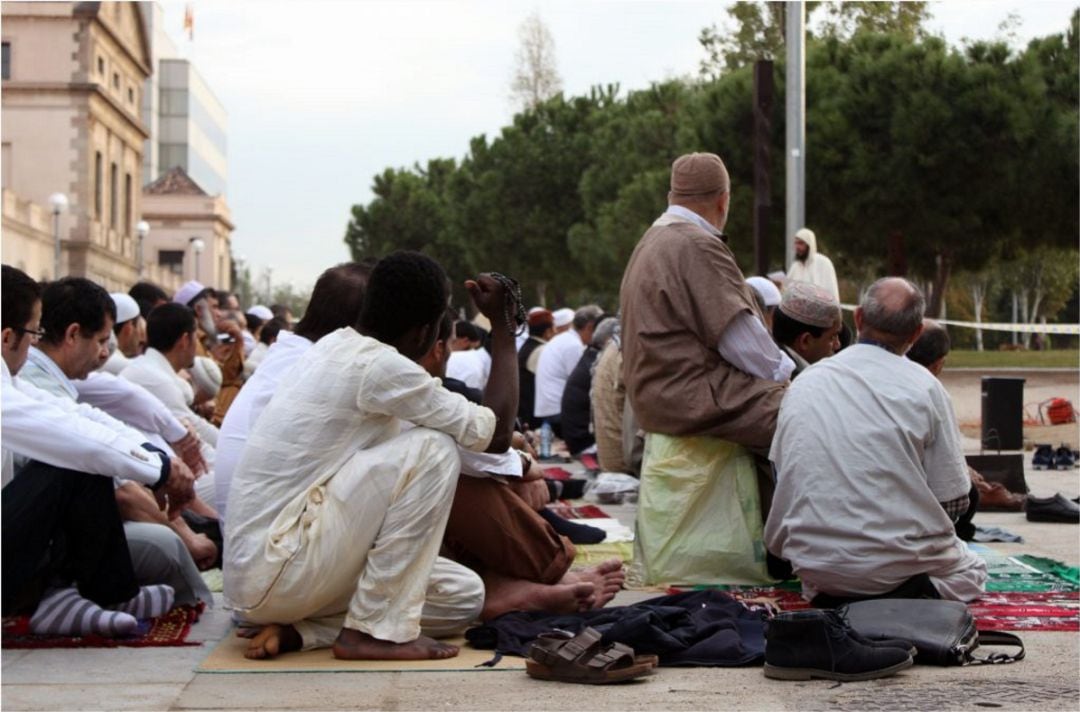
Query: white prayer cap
563, 317
126, 307
770, 295
189, 291
207, 375
810, 304
534, 310
262, 312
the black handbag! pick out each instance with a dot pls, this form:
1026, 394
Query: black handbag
943, 632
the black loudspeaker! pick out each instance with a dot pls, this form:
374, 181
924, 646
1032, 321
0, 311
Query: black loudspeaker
1002, 413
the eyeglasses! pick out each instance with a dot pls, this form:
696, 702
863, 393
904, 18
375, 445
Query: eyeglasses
35, 336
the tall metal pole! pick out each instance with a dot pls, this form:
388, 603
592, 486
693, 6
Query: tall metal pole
763, 98
795, 91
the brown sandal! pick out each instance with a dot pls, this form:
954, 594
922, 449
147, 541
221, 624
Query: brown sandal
561, 656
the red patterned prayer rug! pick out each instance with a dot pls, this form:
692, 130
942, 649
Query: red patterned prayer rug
566, 510
171, 629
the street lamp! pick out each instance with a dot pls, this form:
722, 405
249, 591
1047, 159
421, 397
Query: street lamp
197, 246
142, 229
59, 203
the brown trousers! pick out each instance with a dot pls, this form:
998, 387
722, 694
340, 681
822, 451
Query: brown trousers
492, 530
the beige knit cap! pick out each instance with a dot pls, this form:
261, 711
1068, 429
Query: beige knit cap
698, 174
809, 304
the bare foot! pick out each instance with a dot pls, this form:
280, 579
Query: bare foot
354, 645
503, 595
607, 577
273, 640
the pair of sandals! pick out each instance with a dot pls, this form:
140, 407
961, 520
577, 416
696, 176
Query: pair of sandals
582, 658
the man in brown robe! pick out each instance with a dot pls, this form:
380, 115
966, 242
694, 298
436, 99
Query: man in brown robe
705, 380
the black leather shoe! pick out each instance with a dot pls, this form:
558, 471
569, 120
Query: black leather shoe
800, 645
839, 617
1052, 509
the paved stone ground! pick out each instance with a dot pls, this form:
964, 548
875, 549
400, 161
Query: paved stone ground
164, 678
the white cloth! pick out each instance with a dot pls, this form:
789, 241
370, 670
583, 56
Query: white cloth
747, 346
58, 431
117, 362
258, 353
246, 409
557, 361
816, 269
866, 449
131, 404
472, 367
153, 372
41, 371
330, 509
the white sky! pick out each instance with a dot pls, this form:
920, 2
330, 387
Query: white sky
324, 94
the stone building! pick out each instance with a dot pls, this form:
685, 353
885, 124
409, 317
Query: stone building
73, 75
189, 230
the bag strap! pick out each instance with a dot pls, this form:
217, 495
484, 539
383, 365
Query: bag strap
994, 637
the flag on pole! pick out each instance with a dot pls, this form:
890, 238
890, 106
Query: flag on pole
189, 21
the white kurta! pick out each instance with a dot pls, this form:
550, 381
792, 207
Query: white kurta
153, 372
247, 407
557, 361
866, 449
471, 367
332, 512
816, 269
58, 431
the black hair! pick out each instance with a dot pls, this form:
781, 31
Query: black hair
74, 300
253, 322
467, 330
785, 329
167, 323
539, 329
20, 292
336, 301
406, 290
271, 330
147, 295
933, 343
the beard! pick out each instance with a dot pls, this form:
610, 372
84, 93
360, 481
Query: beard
803, 256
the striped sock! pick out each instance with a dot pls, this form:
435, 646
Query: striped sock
64, 612
149, 602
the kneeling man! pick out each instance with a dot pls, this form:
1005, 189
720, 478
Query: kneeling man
870, 475
336, 515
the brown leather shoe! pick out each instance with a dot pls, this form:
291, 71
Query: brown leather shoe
993, 497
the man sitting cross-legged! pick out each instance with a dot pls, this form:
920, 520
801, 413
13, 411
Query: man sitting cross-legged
335, 516
494, 527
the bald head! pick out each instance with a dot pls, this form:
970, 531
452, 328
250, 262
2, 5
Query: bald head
891, 312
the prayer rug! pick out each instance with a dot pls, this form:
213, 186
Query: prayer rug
228, 657
590, 554
567, 510
169, 630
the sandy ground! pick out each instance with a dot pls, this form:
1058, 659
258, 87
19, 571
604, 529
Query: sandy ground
163, 678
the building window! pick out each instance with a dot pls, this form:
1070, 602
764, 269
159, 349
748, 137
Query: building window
6, 57
97, 185
116, 80
127, 204
131, 95
114, 193
101, 66
172, 260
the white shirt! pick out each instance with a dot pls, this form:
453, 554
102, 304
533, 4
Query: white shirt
130, 403
153, 372
56, 430
866, 449
247, 407
348, 393
473, 367
117, 362
557, 361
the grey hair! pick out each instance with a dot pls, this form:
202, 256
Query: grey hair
605, 329
896, 318
586, 315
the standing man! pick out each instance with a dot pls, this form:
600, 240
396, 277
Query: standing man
541, 330
812, 266
705, 380
870, 473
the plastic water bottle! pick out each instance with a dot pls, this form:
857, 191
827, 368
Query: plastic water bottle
545, 440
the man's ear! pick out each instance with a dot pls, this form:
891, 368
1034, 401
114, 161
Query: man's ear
72, 332
10, 338
801, 342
